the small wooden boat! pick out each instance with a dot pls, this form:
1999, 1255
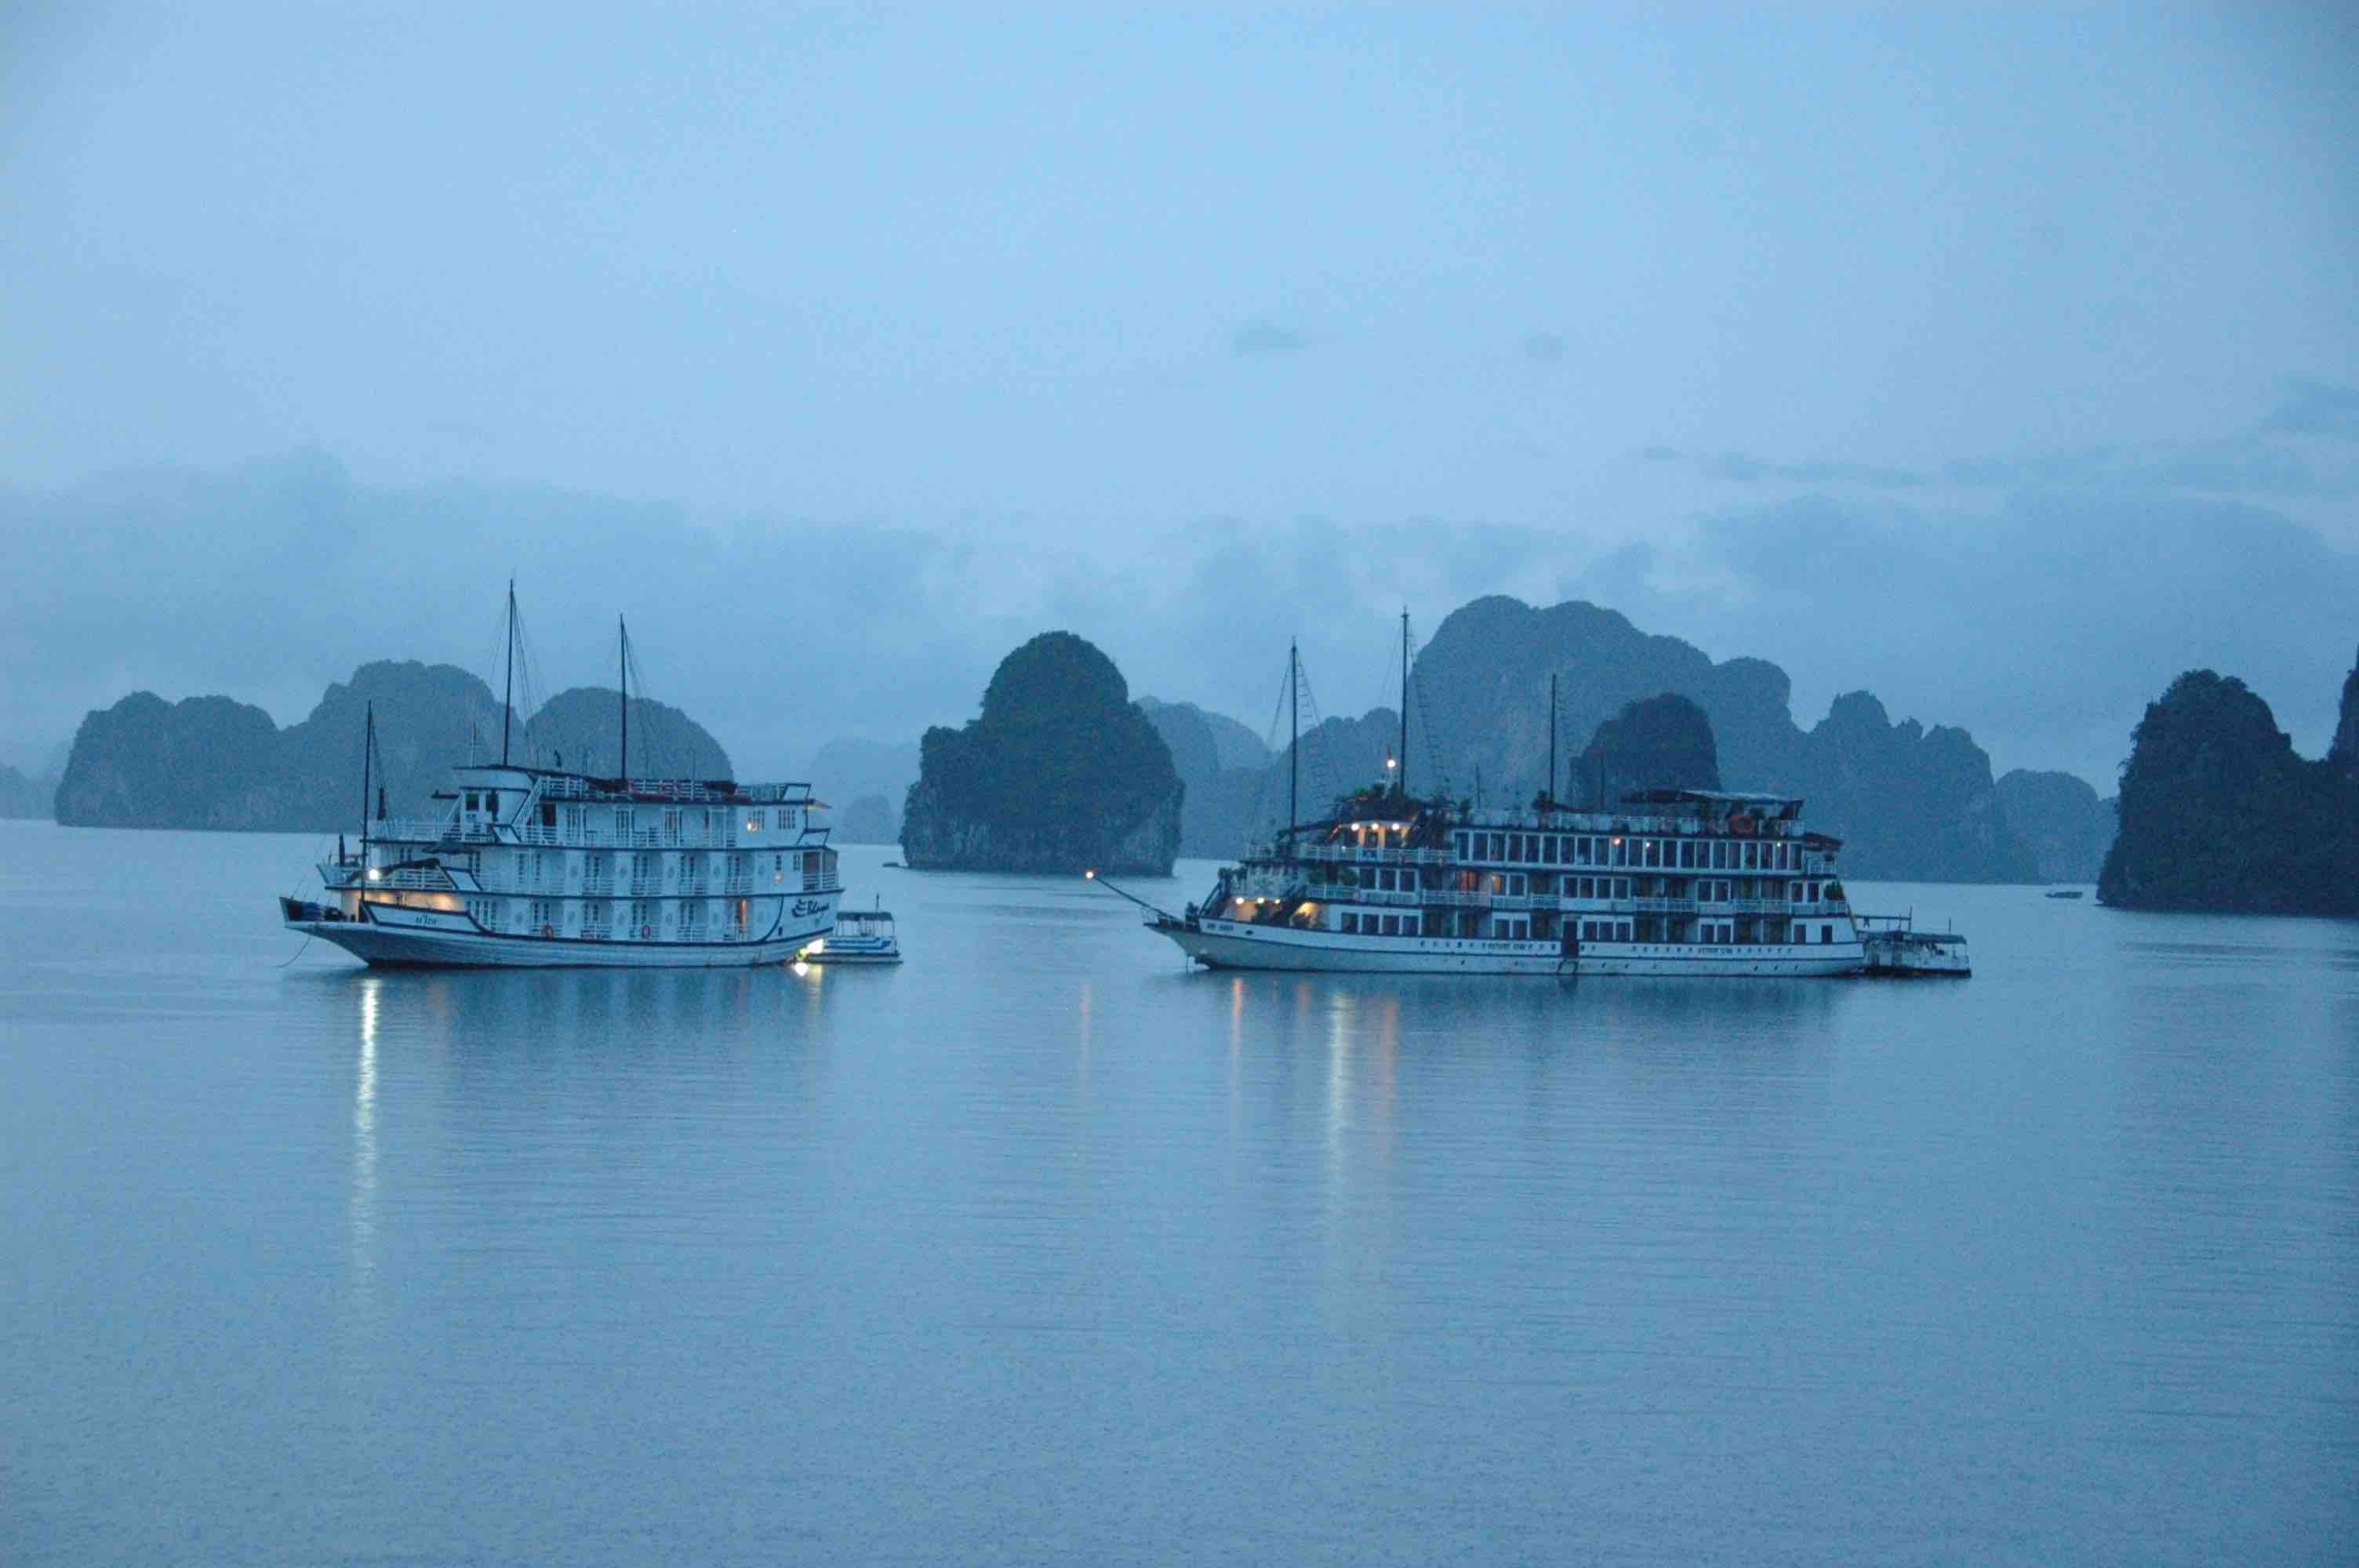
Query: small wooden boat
2064, 893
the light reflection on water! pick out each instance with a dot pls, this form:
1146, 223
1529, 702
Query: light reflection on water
1041, 1246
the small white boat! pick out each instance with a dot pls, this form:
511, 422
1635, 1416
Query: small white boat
861, 936
1895, 950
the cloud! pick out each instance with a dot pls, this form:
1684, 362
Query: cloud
1266, 338
2044, 628
1737, 468
2316, 408
2249, 465
2234, 465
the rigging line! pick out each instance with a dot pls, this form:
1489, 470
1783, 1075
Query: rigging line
298, 953
1263, 807
1323, 759
530, 695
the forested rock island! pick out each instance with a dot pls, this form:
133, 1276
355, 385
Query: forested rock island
2218, 814
209, 763
1060, 772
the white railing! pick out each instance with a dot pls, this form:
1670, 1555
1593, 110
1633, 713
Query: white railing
587, 837
687, 792
1352, 854
427, 829
432, 882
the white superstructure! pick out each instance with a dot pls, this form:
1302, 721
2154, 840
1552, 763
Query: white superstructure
529, 867
1671, 882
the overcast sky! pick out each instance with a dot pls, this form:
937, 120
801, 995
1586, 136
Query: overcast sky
2001, 365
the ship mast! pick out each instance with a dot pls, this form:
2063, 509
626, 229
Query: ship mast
368, 751
623, 656
507, 699
1294, 748
1552, 788
1402, 776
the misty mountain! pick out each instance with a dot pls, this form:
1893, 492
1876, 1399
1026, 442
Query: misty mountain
1912, 804
1234, 744
848, 768
2060, 818
2218, 813
1221, 797
23, 795
209, 763
870, 820
1060, 772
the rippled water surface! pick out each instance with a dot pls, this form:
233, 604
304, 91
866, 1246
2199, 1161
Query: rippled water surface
1041, 1248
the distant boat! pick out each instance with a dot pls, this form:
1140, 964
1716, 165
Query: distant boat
2064, 893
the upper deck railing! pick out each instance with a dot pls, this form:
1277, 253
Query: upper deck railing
730, 835
683, 792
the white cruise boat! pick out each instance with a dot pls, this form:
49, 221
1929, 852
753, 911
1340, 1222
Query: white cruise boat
1670, 881
538, 868
1673, 882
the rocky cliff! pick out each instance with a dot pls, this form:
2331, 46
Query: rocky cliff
2344, 752
1060, 772
1663, 739
2061, 820
213, 763
2218, 813
1913, 804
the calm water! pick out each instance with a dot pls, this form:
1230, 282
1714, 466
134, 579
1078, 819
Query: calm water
1041, 1249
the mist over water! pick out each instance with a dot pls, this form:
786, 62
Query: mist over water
1041, 1246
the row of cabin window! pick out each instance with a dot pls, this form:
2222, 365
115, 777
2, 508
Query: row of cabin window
537, 914
534, 866
1667, 854
1720, 933
626, 817
1356, 924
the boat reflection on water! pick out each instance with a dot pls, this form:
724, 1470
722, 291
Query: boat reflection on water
476, 1008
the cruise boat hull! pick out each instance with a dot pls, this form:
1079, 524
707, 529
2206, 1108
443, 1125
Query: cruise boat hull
1235, 945
406, 938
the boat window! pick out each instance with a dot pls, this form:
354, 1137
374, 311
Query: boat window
1826, 933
